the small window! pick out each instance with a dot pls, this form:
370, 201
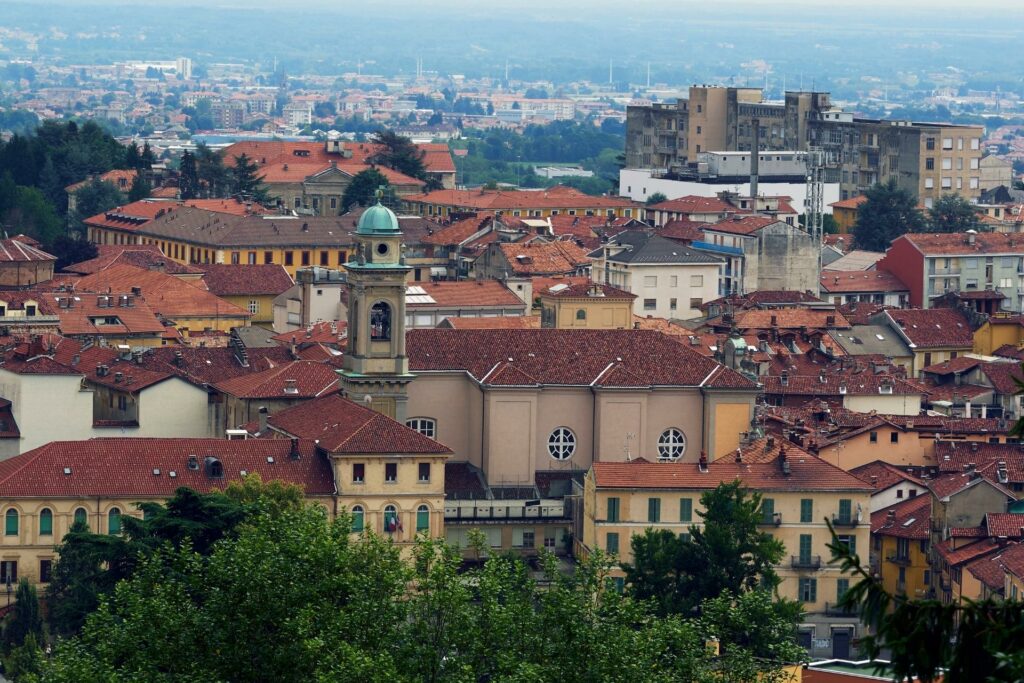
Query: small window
11, 523
806, 510
324, 258
305, 258
45, 570
422, 519
612, 543
654, 510
426, 426
613, 509
894, 437
254, 306
81, 516
289, 258
46, 522
268, 257
358, 518
873, 437
9, 571
562, 443
114, 521
358, 473
671, 444
342, 258
391, 521
380, 322
236, 258
672, 304
650, 304
581, 314
696, 280
251, 258
391, 471
685, 509
424, 471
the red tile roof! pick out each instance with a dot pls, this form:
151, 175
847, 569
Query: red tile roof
1004, 376
568, 357
544, 258
139, 255
86, 316
989, 570
557, 197
508, 322
588, 290
743, 225
683, 230
343, 427
332, 333
436, 158
458, 232
851, 203
309, 379
790, 318
831, 384
807, 473
958, 556
117, 467
205, 366
464, 293
692, 204
933, 328
114, 177
881, 475
953, 366
939, 244
1004, 524
912, 519
836, 281
18, 251
246, 280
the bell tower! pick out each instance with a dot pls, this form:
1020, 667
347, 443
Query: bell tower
375, 370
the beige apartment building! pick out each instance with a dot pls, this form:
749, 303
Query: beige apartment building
798, 492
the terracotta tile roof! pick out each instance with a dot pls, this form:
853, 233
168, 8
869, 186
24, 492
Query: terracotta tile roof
790, 318
540, 283
955, 557
1009, 351
683, 230
940, 244
458, 232
463, 293
119, 374
585, 291
912, 519
87, 316
332, 333
950, 391
436, 158
296, 380
946, 485
881, 475
743, 225
165, 294
568, 357
245, 280
967, 532
933, 328
836, 281
205, 366
1003, 376
692, 204
463, 480
955, 456
954, 366
1004, 524
764, 297
229, 206
285, 172
139, 255
508, 322
117, 467
131, 216
851, 203
989, 570
860, 313
807, 473
1012, 560
346, 428
831, 384
17, 251
114, 177
557, 197
544, 258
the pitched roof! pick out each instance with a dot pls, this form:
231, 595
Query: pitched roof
832, 384
462, 293
692, 204
436, 156
17, 251
324, 332
118, 467
557, 197
84, 313
205, 366
249, 279
296, 380
789, 318
836, 281
851, 203
910, 518
544, 258
1004, 524
139, 255
743, 225
881, 475
343, 427
568, 357
587, 290
939, 244
492, 322
646, 247
954, 366
807, 473
933, 328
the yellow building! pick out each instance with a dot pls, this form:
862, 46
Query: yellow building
251, 288
587, 306
554, 201
899, 547
798, 492
1001, 329
845, 213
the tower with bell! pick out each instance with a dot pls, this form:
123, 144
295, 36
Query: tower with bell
375, 370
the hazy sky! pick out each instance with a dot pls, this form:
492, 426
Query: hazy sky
554, 6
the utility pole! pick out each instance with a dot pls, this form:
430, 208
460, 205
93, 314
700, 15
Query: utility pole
814, 200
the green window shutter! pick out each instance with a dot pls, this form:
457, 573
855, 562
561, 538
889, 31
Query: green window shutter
814, 589
11, 523
114, 521
422, 519
852, 543
767, 509
612, 544
685, 509
81, 516
805, 546
46, 523
842, 585
358, 519
654, 510
613, 509
806, 510
845, 509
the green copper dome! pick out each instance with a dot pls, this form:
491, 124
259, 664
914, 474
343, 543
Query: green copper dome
378, 220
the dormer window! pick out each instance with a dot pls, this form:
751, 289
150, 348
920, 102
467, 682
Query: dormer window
30, 310
214, 468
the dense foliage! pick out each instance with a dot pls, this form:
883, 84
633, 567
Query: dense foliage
888, 213
361, 190
953, 213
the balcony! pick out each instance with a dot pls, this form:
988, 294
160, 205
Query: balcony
945, 585
845, 520
774, 519
902, 560
809, 562
495, 511
834, 610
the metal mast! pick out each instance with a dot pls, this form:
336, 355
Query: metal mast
814, 200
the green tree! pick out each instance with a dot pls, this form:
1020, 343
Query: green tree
25, 210
828, 223
140, 189
188, 179
728, 553
24, 620
71, 249
888, 213
362, 188
399, 153
655, 198
246, 180
273, 497
214, 178
25, 662
953, 213
93, 198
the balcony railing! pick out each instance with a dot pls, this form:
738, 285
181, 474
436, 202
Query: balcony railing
845, 520
899, 559
812, 562
774, 519
484, 510
834, 610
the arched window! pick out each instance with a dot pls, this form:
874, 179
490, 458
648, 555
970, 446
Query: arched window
422, 519
391, 521
81, 516
358, 518
427, 426
46, 522
114, 521
380, 322
671, 444
581, 314
11, 523
562, 443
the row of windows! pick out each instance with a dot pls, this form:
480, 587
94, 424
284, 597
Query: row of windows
9, 571
390, 472
562, 444
673, 304
12, 521
767, 510
673, 280
392, 522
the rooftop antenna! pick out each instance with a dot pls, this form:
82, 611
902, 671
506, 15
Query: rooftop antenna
625, 447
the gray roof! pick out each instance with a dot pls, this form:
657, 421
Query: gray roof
255, 337
863, 340
646, 247
857, 259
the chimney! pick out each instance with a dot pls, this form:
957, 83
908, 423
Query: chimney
702, 463
193, 462
178, 358
291, 386
830, 321
755, 150
784, 379
263, 419
739, 455
774, 320
293, 453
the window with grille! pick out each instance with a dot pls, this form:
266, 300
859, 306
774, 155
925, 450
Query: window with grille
562, 443
671, 444
426, 426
